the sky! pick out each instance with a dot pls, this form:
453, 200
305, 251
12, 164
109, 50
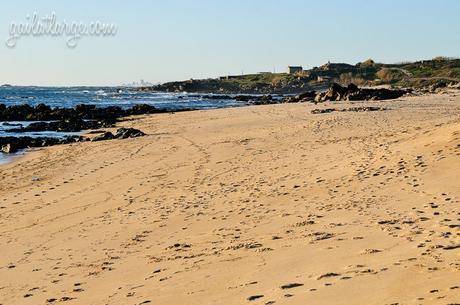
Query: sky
160, 41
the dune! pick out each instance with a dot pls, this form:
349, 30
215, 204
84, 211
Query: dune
254, 205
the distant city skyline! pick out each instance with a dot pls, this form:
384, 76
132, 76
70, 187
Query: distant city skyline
159, 41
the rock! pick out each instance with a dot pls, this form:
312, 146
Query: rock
85, 112
352, 87
13, 144
102, 137
353, 93
264, 100
73, 124
335, 93
245, 98
9, 148
124, 133
213, 97
301, 98
143, 109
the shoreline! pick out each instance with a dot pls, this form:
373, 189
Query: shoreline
242, 205
90, 117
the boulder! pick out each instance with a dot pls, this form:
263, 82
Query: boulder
143, 109
102, 137
125, 133
301, 98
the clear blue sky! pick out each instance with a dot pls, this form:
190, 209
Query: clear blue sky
180, 39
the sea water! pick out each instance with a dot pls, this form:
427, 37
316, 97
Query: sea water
69, 97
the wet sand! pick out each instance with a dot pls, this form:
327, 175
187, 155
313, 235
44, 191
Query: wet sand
255, 205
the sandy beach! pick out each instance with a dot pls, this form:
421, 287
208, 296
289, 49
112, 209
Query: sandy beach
253, 205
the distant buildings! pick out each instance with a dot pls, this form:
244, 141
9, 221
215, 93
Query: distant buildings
295, 69
141, 83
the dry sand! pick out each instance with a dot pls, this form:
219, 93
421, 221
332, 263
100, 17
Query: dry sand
256, 205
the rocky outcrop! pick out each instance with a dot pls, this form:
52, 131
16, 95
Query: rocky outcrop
301, 98
43, 112
82, 117
353, 93
349, 93
9, 145
73, 124
334, 93
13, 144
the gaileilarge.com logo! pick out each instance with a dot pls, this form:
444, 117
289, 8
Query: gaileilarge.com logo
48, 25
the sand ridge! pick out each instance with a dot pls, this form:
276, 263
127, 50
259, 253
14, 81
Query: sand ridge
255, 205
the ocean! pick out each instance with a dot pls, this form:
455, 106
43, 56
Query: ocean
69, 97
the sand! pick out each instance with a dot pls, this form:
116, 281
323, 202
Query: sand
255, 205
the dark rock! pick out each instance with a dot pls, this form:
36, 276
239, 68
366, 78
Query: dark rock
303, 97
85, 112
214, 97
353, 93
13, 144
245, 98
83, 109
352, 88
102, 137
143, 109
124, 133
73, 124
264, 100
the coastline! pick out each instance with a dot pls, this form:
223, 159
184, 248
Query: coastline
231, 205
